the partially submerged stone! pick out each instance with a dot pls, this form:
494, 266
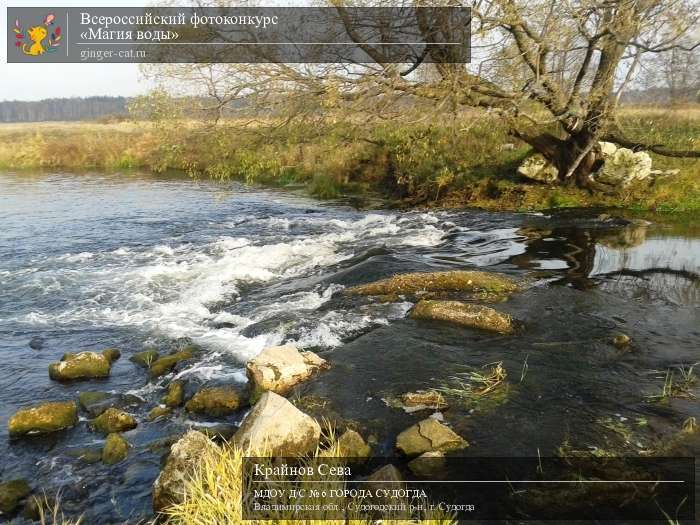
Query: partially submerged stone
183, 461
112, 354
165, 364
218, 432
423, 400
385, 479
280, 368
159, 412
95, 402
145, 358
450, 281
113, 420
429, 435
175, 394
216, 401
83, 365
11, 493
428, 465
115, 450
621, 341
465, 314
46, 417
277, 427
87, 454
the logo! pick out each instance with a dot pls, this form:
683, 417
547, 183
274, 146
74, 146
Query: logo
37, 40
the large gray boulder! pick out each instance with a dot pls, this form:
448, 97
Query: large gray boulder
280, 368
182, 463
277, 427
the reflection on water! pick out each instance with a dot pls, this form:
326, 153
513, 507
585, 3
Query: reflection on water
635, 258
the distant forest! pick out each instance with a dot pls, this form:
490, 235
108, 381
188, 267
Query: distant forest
62, 109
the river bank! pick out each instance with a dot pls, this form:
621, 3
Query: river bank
468, 162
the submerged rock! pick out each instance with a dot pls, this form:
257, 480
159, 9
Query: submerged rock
83, 365
216, 401
113, 420
112, 354
280, 368
36, 343
536, 167
11, 493
46, 417
466, 314
184, 459
145, 358
621, 341
95, 402
423, 400
175, 394
429, 435
87, 454
450, 281
165, 364
428, 465
158, 412
276, 426
115, 450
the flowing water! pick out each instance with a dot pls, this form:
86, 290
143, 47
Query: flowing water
135, 261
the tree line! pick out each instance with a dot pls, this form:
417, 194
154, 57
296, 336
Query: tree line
77, 108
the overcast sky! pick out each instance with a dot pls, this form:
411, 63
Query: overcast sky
35, 82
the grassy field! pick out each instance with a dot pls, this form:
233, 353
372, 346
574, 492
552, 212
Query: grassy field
470, 161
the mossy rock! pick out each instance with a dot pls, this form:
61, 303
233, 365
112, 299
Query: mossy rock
145, 358
216, 402
465, 314
219, 433
112, 354
159, 412
43, 418
113, 420
175, 394
115, 450
87, 454
11, 493
450, 281
83, 365
165, 364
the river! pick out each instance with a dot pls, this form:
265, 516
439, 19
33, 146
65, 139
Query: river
135, 261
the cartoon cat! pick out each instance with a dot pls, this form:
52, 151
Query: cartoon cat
37, 35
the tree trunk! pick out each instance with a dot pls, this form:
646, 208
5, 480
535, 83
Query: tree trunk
576, 157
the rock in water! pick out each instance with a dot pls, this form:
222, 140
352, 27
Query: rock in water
112, 354
36, 343
113, 420
452, 281
165, 364
423, 400
466, 314
351, 445
537, 168
83, 365
184, 459
175, 395
280, 368
429, 436
276, 426
95, 403
145, 358
216, 402
159, 412
428, 465
621, 341
115, 450
46, 417
11, 493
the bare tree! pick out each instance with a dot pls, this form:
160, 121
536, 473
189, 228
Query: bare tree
554, 70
